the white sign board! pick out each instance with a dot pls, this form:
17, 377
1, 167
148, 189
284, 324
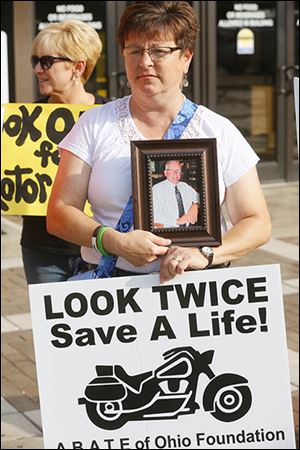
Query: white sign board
296, 98
4, 73
200, 362
4, 69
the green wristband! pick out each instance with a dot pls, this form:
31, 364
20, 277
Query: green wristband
100, 238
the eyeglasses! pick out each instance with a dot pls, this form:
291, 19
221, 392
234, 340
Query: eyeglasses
46, 61
155, 53
174, 170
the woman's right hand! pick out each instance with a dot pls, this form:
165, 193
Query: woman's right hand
138, 247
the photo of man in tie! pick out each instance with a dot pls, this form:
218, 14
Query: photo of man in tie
175, 202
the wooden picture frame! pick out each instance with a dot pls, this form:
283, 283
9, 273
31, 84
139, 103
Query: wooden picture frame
198, 159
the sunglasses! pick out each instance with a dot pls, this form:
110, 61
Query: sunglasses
46, 61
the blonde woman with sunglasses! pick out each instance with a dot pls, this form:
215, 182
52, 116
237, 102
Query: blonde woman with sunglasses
63, 58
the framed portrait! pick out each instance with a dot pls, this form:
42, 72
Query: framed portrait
175, 190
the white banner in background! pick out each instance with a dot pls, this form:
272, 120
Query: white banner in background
296, 99
4, 69
199, 362
4, 73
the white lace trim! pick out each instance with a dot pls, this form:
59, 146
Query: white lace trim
192, 131
129, 132
124, 121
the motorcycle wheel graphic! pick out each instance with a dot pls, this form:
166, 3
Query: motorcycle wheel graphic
227, 397
106, 415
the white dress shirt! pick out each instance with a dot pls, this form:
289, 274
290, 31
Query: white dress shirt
165, 207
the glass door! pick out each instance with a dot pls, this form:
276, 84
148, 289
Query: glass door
253, 78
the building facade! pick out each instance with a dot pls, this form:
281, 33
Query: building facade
245, 60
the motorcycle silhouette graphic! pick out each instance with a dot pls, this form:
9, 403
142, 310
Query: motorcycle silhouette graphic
114, 397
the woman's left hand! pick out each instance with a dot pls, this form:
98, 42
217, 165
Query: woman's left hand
179, 259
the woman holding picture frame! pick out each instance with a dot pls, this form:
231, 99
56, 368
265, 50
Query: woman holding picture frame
157, 40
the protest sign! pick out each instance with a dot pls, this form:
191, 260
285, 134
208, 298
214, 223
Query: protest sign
199, 362
29, 156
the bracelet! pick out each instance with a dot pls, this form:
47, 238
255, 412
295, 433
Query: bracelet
94, 238
99, 239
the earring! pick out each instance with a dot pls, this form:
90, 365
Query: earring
185, 81
75, 78
128, 84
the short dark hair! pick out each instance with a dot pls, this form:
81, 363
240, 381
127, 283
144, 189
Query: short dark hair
176, 19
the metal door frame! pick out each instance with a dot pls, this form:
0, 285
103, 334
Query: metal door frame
291, 163
115, 66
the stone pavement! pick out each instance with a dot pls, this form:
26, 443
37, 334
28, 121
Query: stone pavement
20, 414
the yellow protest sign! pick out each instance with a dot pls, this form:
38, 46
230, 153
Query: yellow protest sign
30, 137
